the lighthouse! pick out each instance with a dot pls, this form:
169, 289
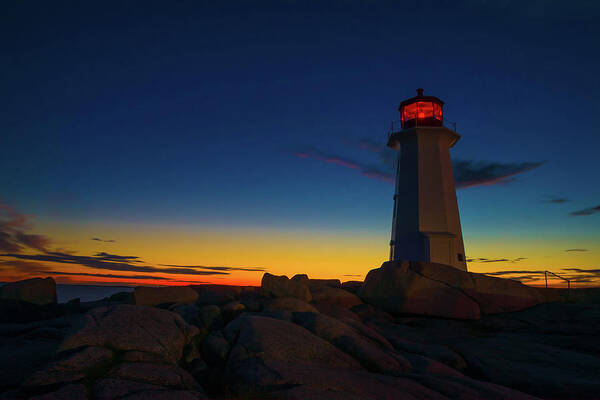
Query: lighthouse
426, 222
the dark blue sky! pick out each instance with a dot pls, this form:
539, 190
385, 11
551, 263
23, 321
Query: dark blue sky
186, 112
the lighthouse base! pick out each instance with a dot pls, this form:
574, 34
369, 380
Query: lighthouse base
434, 247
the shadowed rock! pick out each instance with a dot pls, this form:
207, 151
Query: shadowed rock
71, 368
155, 374
127, 327
152, 296
336, 296
37, 291
76, 391
403, 287
288, 304
352, 286
265, 348
281, 286
345, 338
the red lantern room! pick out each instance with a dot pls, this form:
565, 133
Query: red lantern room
421, 111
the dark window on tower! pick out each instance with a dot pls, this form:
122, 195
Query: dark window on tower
460, 257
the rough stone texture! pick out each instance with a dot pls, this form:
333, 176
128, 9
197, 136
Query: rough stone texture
71, 368
232, 309
352, 286
265, 348
74, 391
166, 395
208, 315
281, 286
128, 327
335, 311
339, 297
112, 388
221, 294
155, 374
316, 283
282, 341
215, 348
288, 304
397, 288
37, 291
23, 350
405, 287
141, 356
436, 352
492, 294
152, 296
368, 313
371, 356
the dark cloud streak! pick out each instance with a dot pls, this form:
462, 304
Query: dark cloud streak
467, 173
101, 263
103, 240
586, 211
252, 269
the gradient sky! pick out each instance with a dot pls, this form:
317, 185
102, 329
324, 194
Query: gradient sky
184, 141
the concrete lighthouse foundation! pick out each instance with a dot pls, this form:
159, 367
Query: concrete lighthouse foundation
426, 224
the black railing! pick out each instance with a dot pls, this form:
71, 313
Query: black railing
396, 126
561, 277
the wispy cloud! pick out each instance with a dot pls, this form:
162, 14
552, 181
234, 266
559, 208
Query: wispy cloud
13, 237
501, 273
493, 260
366, 170
586, 211
132, 277
252, 269
557, 200
577, 250
102, 240
467, 173
101, 262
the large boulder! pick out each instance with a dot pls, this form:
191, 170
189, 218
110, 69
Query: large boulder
410, 287
128, 327
37, 291
373, 357
398, 289
264, 349
281, 286
152, 296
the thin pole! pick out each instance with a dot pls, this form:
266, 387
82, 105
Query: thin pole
546, 275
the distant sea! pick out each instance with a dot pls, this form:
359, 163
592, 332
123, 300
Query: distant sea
86, 292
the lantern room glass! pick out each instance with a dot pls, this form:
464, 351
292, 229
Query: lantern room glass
421, 113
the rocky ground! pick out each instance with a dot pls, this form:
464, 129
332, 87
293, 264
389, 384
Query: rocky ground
303, 338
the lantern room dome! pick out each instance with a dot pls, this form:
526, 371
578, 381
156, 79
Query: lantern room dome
421, 111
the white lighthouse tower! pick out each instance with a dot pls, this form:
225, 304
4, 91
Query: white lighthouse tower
426, 224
